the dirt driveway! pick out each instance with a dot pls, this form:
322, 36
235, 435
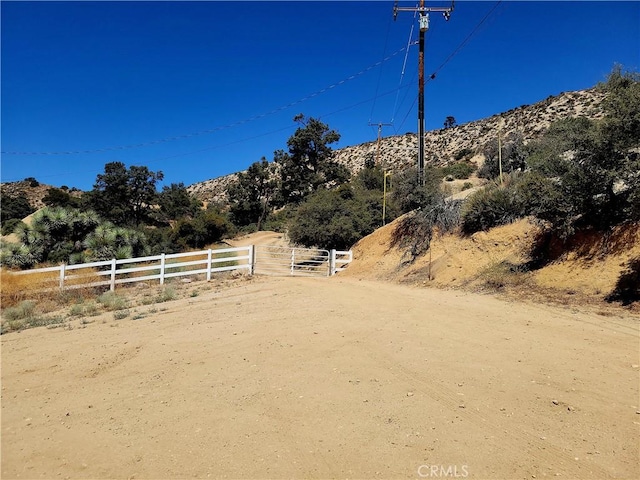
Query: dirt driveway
326, 378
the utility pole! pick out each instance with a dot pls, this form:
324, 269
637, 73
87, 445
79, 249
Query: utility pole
424, 26
380, 125
500, 125
384, 197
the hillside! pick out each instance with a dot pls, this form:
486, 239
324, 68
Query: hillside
398, 151
498, 260
441, 146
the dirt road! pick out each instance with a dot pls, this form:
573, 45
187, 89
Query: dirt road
326, 378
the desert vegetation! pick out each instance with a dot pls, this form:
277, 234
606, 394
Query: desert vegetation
579, 173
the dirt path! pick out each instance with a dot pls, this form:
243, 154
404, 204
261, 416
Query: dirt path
326, 378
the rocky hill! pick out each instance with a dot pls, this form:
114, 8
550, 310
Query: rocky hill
33, 191
397, 152
441, 146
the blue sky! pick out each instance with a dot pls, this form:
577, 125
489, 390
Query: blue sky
203, 89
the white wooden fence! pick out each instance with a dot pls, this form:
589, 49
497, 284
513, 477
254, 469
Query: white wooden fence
286, 261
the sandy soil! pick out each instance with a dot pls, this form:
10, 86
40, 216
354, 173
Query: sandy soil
326, 378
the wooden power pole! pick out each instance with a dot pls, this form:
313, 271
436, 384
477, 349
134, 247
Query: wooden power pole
424, 26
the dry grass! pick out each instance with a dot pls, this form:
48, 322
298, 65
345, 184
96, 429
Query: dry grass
28, 307
45, 287
15, 288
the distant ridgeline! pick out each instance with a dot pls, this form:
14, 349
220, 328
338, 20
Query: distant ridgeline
446, 145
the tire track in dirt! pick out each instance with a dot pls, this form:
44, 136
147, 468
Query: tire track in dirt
539, 449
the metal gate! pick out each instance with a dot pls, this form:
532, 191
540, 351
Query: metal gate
307, 262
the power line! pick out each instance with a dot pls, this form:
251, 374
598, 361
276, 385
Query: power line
215, 129
465, 41
450, 57
384, 52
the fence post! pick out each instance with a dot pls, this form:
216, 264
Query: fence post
252, 258
293, 259
332, 262
162, 262
209, 265
62, 276
112, 286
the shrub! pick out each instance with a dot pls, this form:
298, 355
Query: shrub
332, 219
22, 311
25, 315
463, 154
513, 157
459, 170
408, 195
167, 294
490, 207
503, 274
120, 314
14, 207
414, 232
9, 225
112, 301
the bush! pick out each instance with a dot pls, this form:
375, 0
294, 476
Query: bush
32, 182
513, 157
22, 311
459, 170
490, 207
9, 226
25, 315
167, 294
463, 154
332, 219
14, 207
408, 195
112, 301
414, 232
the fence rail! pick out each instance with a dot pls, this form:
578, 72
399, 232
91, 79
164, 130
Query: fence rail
300, 262
266, 260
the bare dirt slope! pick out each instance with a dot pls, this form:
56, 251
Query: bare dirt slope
588, 270
325, 378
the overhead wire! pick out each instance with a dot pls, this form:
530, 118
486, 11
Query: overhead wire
291, 104
450, 57
404, 66
384, 52
218, 128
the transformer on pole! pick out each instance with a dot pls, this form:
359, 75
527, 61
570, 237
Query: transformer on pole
424, 26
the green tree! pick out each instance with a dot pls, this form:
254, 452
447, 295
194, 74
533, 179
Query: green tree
450, 122
14, 207
124, 196
57, 197
331, 219
593, 167
109, 241
176, 202
513, 157
55, 235
408, 195
309, 163
207, 227
251, 195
